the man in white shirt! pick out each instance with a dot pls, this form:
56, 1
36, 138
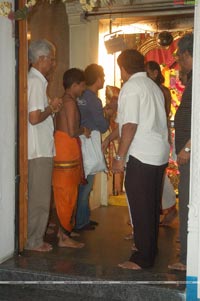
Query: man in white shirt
40, 142
144, 145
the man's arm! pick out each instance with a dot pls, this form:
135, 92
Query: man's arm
184, 155
73, 126
38, 116
97, 113
113, 135
127, 136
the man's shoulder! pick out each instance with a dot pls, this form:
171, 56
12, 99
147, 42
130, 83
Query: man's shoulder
87, 98
136, 83
34, 78
89, 95
68, 101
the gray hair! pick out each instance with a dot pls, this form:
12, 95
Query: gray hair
186, 44
39, 48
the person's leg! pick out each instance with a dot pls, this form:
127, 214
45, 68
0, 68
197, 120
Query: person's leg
83, 210
140, 183
168, 203
168, 196
39, 196
160, 175
183, 209
65, 200
65, 206
183, 191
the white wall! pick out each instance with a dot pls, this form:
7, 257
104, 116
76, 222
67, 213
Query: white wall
7, 143
83, 37
83, 44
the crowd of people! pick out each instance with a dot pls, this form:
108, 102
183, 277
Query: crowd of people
142, 128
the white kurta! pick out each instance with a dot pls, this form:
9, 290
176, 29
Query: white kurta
40, 136
141, 102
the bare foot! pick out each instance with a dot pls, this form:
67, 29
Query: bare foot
129, 265
70, 243
177, 266
134, 248
45, 247
59, 233
74, 234
52, 225
48, 245
128, 236
49, 231
129, 223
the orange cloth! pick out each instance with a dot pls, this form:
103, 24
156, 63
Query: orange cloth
66, 178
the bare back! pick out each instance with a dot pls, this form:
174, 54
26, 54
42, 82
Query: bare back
167, 96
68, 118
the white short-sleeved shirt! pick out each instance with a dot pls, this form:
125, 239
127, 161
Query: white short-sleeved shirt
40, 136
141, 102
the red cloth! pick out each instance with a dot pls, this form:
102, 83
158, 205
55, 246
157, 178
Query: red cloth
164, 55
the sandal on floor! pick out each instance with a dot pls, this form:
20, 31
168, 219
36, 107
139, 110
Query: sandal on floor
177, 266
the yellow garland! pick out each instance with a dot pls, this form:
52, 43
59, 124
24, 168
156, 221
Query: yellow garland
20, 14
5, 8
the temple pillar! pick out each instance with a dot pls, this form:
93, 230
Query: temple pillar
193, 255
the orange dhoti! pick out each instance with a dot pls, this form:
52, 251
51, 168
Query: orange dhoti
66, 178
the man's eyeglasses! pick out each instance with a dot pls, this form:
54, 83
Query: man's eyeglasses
52, 59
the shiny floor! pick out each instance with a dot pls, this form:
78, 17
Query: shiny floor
105, 247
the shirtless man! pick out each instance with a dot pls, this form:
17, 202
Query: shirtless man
67, 162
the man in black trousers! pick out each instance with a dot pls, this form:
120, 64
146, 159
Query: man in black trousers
144, 150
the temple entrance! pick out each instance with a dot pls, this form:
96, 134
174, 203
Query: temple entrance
33, 28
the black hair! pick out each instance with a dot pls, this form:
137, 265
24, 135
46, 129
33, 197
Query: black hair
153, 65
92, 73
186, 44
72, 76
131, 60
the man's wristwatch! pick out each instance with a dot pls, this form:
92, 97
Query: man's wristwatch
119, 158
187, 149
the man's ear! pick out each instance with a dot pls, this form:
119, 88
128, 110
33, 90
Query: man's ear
74, 85
41, 58
98, 81
186, 54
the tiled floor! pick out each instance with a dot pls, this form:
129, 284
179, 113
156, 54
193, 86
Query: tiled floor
105, 247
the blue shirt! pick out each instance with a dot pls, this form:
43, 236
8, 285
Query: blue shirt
91, 111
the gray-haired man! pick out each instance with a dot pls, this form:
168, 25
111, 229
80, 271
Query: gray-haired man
40, 142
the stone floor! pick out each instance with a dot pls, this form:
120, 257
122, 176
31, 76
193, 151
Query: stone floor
96, 264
